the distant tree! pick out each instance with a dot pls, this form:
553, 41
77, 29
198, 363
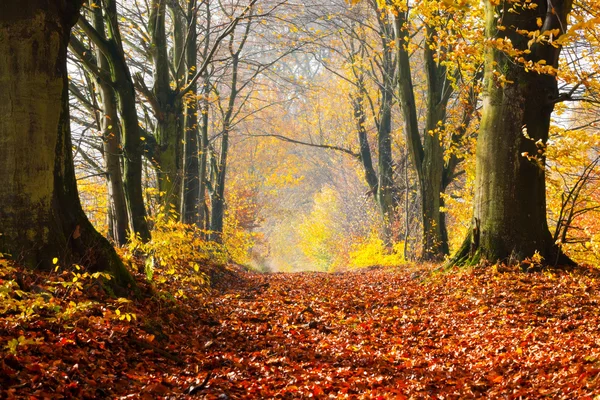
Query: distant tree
41, 217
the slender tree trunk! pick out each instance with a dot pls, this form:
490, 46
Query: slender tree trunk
41, 216
130, 130
204, 156
217, 211
133, 148
427, 155
203, 212
509, 222
111, 138
431, 177
385, 187
190, 207
363, 139
386, 197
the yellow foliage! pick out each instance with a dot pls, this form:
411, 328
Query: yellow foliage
372, 251
176, 252
237, 241
318, 238
569, 154
94, 200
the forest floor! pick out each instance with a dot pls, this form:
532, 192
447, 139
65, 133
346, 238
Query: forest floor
376, 334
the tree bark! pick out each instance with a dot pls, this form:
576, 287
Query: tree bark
431, 173
170, 113
204, 157
41, 216
111, 140
509, 222
427, 154
190, 207
131, 133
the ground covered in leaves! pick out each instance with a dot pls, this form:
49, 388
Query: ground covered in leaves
377, 333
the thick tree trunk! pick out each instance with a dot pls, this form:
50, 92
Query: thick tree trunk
41, 217
169, 137
509, 222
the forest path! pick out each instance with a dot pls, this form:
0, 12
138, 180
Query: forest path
380, 333
373, 334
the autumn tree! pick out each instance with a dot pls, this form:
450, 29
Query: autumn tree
41, 216
520, 92
450, 64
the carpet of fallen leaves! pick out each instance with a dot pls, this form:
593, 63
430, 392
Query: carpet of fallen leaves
376, 334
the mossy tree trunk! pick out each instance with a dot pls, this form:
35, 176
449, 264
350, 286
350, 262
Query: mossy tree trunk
509, 221
41, 216
168, 105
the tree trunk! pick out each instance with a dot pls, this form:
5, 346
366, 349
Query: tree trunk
190, 207
41, 216
204, 157
217, 198
431, 173
170, 111
169, 154
427, 156
111, 138
133, 148
385, 187
509, 222
131, 133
